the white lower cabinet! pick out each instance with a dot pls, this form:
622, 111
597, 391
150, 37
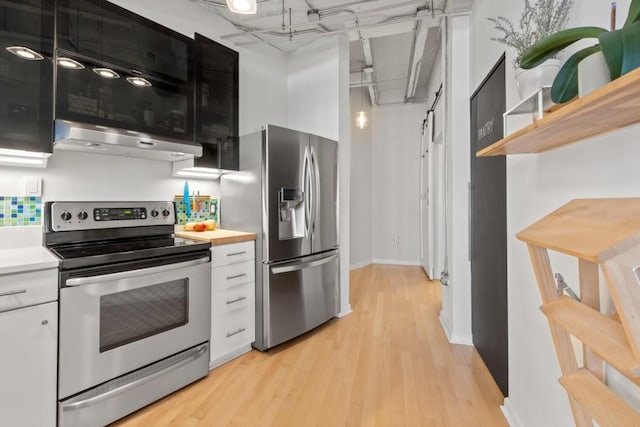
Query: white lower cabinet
28, 366
232, 301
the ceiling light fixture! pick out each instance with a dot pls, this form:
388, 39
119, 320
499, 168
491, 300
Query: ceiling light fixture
139, 81
106, 73
69, 63
25, 53
247, 7
361, 118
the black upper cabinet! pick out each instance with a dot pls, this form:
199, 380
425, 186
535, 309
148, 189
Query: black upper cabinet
26, 75
98, 35
217, 104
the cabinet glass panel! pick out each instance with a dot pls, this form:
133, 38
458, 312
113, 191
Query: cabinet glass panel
26, 74
105, 32
217, 103
85, 94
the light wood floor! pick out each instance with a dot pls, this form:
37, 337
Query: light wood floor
386, 364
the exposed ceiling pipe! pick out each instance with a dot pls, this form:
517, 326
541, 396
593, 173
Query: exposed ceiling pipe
410, 70
414, 67
334, 32
311, 8
337, 19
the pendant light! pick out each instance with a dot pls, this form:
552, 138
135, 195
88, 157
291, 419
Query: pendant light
361, 118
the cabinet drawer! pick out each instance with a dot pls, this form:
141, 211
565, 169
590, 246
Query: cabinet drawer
232, 253
234, 274
233, 298
232, 330
25, 289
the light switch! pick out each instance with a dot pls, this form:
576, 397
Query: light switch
33, 187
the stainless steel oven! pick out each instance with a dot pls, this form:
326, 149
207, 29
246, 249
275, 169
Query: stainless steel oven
134, 310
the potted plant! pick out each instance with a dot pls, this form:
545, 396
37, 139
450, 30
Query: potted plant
620, 50
537, 21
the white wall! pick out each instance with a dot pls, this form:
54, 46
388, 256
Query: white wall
456, 297
318, 102
603, 166
396, 135
361, 200
74, 176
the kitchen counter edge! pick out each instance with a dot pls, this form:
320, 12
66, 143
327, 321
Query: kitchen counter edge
216, 237
24, 260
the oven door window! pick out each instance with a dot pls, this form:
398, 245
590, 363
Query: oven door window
129, 316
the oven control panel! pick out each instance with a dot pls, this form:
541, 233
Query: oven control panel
119, 214
74, 216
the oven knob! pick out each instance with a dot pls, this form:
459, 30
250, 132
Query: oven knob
83, 215
154, 213
165, 212
66, 216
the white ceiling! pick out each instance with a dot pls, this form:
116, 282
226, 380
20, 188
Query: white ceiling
395, 41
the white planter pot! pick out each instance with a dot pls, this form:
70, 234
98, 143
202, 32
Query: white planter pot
530, 81
593, 73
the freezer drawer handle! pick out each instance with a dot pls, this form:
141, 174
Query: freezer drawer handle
237, 253
233, 301
237, 276
239, 331
14, 292
302, 265
135, 273
199, 352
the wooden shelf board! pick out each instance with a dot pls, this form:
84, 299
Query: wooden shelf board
585, 228
603, 335
613, 106
598, 400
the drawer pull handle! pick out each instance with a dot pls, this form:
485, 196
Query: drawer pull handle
233, 301
14, 292
239, 331
237, 253
237, 276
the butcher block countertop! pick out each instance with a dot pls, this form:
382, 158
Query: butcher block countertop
216, 237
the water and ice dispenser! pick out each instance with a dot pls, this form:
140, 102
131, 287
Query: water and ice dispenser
291, 216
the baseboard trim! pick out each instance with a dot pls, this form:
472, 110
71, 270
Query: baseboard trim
453, 338
466, 339
445, 327
346, 310
358, 265
511, 416
396, 262
228, 357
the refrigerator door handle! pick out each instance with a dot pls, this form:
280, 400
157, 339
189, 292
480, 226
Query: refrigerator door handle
306, 184
316, 190
302, 265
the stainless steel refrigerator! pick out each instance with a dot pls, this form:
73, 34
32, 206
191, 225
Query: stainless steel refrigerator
287, 193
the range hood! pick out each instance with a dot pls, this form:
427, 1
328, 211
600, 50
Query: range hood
118, 142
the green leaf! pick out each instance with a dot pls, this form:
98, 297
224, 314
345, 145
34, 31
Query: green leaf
634, 13
565, 85
621, 49
551, 45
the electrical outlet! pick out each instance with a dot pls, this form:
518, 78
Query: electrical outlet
396, 240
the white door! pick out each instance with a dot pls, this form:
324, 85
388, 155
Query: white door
28, 363
427, 237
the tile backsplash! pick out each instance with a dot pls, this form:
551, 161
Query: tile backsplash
209, 209
20, 211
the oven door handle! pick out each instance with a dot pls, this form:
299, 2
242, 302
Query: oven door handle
80, 281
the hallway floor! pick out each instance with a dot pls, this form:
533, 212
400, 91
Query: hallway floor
386, 364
